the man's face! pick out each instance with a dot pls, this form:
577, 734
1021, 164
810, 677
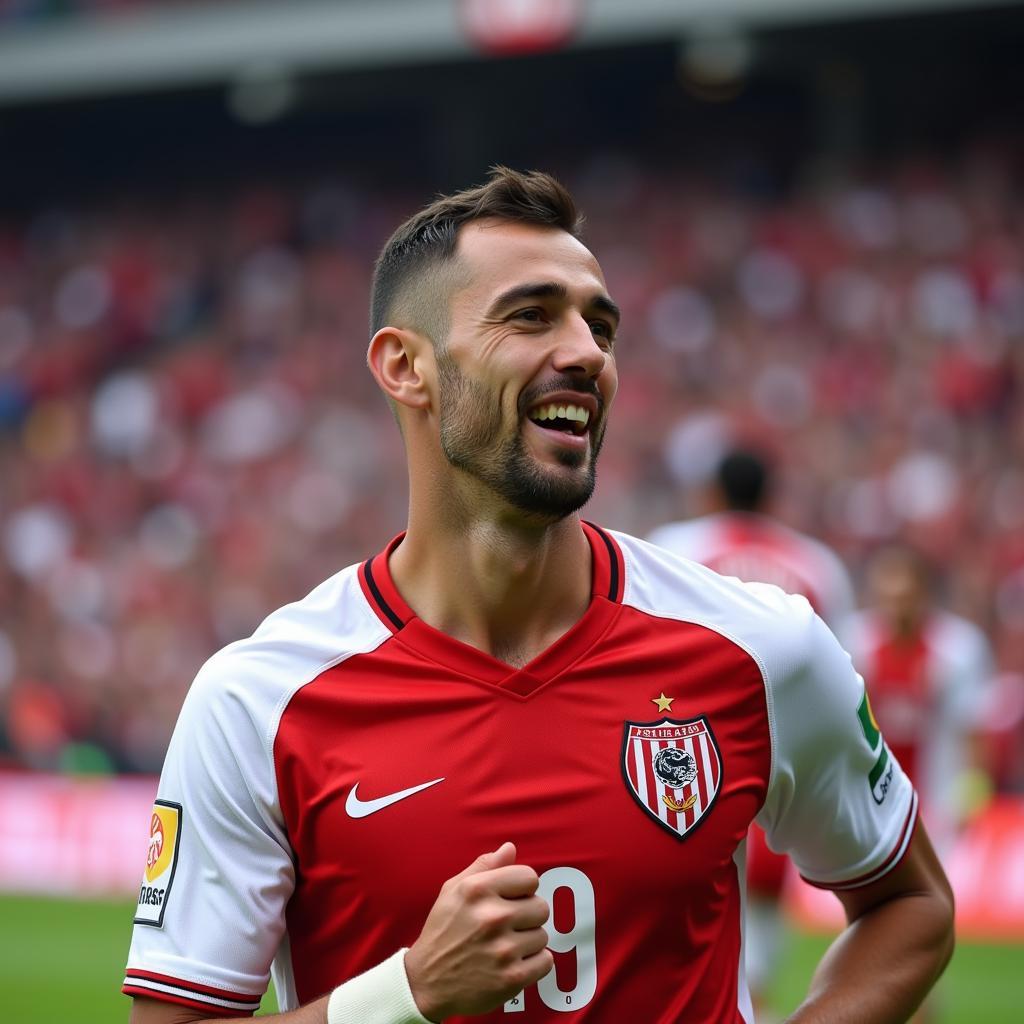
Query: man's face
527, 374
899, 593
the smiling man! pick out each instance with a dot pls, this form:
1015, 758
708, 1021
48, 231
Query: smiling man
504, 769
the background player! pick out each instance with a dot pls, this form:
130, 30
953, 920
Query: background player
739, 538
504, 657
929, 675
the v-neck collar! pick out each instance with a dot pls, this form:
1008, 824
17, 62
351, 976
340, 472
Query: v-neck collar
607, 584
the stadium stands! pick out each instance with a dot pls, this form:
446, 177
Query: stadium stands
188, 437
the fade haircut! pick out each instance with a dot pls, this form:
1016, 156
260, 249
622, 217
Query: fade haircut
416, 271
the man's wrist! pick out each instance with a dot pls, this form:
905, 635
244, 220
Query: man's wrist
380, 995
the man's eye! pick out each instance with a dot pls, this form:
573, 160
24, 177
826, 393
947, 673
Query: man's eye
603, 329
533, 315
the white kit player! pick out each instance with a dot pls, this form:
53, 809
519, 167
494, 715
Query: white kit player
503, 770
739, 538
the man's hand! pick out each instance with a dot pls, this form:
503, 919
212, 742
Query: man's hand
483, 940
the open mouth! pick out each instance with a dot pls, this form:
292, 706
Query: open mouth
562, 417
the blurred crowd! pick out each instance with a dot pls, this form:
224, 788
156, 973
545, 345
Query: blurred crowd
189, 438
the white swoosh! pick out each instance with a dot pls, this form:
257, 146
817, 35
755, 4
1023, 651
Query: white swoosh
356, 808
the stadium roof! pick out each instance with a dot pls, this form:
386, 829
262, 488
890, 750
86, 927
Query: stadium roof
206, 44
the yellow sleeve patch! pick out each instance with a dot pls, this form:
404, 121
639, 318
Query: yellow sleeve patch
161, 861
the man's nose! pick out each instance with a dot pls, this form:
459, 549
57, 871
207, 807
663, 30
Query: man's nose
578, 350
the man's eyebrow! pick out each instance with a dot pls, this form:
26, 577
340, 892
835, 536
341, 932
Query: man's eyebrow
603, 303
550, 290
532, 290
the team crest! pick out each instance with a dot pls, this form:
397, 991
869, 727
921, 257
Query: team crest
673, 770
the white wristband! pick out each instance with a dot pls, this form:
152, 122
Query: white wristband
380, 995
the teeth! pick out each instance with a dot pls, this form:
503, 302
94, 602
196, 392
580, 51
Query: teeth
565, 412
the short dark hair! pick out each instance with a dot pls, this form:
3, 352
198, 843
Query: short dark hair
427, 240
744, 478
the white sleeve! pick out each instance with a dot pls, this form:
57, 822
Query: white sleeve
211, 908
838, 802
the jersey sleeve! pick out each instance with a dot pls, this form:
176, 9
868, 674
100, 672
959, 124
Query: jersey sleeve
838, 802
218, 872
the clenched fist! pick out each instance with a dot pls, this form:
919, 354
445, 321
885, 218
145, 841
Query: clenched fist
483, 940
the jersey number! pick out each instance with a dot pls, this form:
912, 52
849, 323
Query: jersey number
579, 938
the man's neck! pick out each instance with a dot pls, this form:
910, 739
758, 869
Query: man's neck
507, 588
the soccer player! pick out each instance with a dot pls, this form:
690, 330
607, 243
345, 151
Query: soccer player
504, 768
929, 674
739, 537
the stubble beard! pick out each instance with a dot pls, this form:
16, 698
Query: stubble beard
470, 434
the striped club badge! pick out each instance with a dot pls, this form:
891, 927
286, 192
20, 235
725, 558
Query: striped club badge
673, 770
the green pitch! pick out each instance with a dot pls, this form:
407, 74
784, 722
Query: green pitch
62, 961
984, 983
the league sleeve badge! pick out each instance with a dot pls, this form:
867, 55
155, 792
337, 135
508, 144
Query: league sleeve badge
673, 770
881, 775
161, 861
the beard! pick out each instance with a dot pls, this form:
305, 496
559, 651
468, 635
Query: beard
471, 439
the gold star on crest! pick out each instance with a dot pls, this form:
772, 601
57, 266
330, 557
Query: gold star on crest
664, 703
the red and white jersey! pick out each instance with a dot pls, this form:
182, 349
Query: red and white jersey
929, 692
329, 773
759, 549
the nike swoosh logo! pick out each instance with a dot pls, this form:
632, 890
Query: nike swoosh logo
356, 808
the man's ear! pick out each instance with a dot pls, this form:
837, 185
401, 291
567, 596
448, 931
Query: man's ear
397, 358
